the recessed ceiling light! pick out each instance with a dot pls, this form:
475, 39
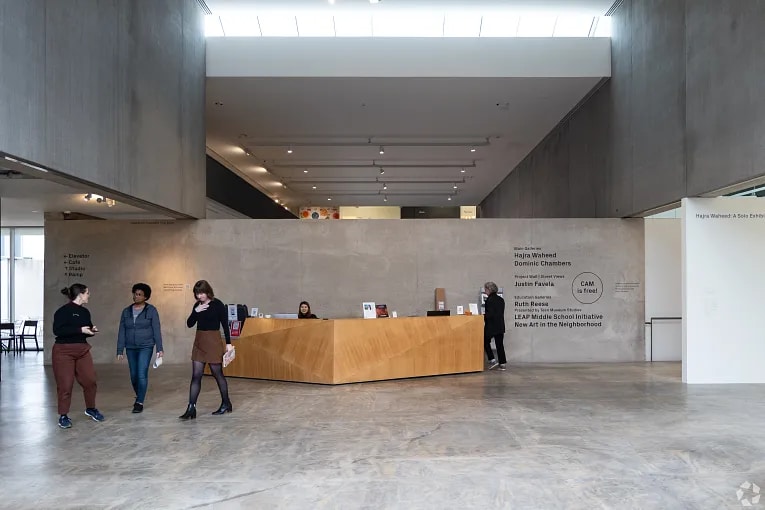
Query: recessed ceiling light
289, 150
449, 198
472, 149
462, 171
314, 187
329, 199
374, 1
331, 2
382, 150
305, 171
276, 200
455, 186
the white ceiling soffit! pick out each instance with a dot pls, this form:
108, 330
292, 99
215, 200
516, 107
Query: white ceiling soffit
405, 57
559, 7
25, 202
306, 140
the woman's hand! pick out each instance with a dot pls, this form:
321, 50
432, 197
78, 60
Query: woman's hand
160, 354
201, 307
87, 331
120, 357
229, 347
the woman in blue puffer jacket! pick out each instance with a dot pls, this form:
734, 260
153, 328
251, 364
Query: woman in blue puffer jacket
139, 333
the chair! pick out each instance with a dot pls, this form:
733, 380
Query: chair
7, 337
28, 332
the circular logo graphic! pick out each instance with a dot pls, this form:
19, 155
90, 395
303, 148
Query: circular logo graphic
587, 288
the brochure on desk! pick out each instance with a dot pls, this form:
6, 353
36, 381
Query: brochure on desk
370, 310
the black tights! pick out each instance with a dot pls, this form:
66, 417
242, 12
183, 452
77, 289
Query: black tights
197, 369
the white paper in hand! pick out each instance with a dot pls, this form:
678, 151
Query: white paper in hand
228, 357
157, 362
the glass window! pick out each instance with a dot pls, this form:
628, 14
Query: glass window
5, 275
28, 273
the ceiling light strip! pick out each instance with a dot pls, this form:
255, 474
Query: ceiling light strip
275, 164
380, 145
383, 193
330, 180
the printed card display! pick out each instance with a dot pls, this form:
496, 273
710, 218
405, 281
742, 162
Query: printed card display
370, 312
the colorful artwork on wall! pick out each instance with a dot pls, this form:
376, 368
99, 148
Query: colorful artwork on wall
319, 213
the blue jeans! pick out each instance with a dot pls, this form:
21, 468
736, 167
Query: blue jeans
139, 361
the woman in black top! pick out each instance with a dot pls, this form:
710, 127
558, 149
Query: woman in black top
304, 311
71, 354
209, 314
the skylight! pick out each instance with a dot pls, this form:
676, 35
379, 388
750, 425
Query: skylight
405, 24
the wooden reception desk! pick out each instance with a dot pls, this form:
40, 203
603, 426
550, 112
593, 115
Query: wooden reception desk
355, 350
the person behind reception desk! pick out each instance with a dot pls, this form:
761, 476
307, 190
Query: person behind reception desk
304, 311
209, 314
494, 326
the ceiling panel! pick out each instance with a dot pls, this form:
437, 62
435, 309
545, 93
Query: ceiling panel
334, 128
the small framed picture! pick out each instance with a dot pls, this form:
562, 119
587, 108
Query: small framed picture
253, 312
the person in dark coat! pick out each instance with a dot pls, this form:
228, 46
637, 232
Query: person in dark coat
494, 326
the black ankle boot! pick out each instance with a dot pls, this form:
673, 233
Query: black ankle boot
190, 414
225, 407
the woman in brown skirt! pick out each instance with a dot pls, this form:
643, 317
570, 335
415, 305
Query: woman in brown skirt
209, 314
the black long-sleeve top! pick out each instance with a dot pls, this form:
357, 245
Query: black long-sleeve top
211, 319
68, 322
494, 315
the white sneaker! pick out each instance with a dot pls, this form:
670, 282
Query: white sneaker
493, 364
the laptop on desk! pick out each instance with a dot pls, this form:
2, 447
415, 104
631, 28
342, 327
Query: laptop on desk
284, 316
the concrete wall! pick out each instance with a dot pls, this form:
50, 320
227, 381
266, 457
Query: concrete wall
683, 114
109, 92
336, 265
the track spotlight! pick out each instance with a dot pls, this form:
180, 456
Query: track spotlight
93, 196
289, 150
385, 198
385, 186
449, 198
382, 150
382, 171
455, 185
472, 149
329, 199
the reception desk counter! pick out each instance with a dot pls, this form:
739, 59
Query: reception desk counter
355, 350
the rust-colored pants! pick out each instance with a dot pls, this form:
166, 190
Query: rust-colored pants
70, 362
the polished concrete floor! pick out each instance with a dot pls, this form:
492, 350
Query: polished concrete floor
566, 436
